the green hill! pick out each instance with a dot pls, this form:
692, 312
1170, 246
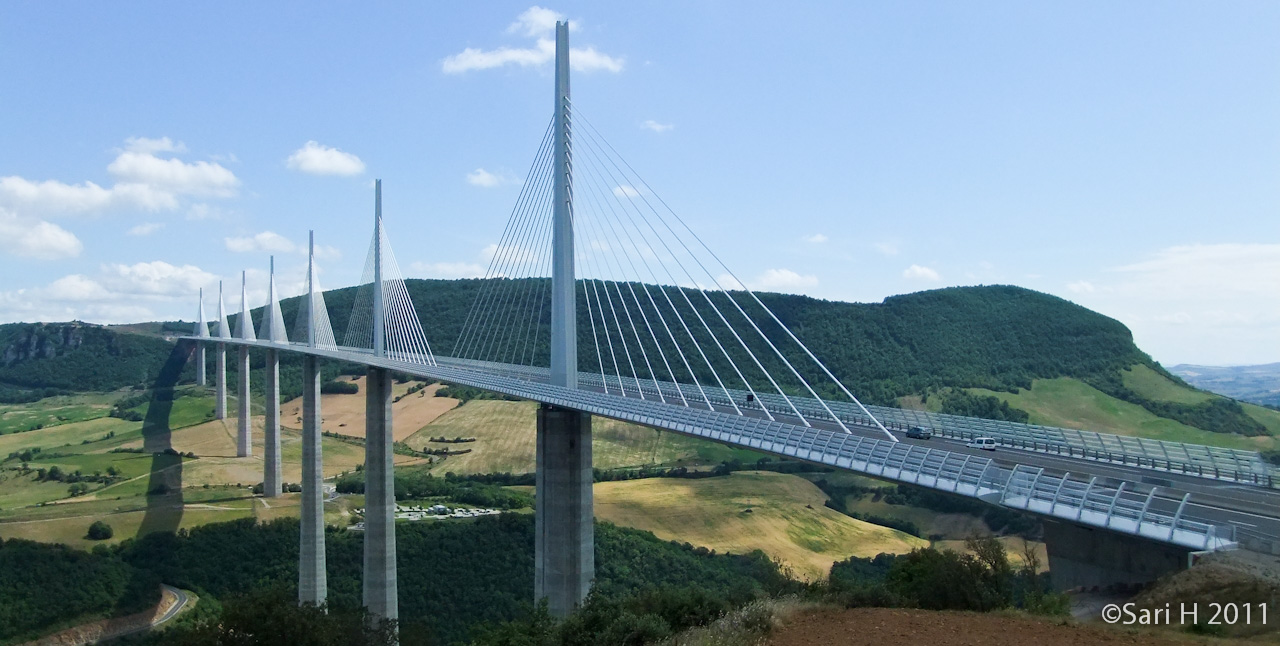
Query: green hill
42, 359
954, 348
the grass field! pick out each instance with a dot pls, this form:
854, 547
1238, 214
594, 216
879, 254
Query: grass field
54, 411
505, 435
930, 523
1070, 403
787, 518
1154, 386
345, 413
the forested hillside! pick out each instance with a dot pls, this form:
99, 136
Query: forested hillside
999, 338
41, 359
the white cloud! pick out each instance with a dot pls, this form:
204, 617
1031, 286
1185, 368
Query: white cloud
152, 146
917, 272
1216, 304
317, 159
625, 191
156, 278
1080, 287
324, 252
650, 124
146, 228
887, 248
174, 176
816, 238
723, 281
118, 293
446, 269
202, 211
783, 279
482, 177
76, 288
143, 181
538, 23
32, 238
590, 60
265, 242
511, 254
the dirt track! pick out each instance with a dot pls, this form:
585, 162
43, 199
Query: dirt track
891, 627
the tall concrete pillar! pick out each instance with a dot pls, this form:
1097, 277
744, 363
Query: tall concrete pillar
244, 436
220, 377
271, 477
380, 594
200, 368
564, 542
313, 584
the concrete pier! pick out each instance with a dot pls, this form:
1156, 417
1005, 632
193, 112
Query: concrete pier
313, 586
271, 476
380, 593
1088, 557
564, 543
244, 436
220, 378
201, 379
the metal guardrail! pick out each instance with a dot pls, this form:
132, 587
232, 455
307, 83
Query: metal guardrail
1029, 488
1159, 455
930, 467
1178, 457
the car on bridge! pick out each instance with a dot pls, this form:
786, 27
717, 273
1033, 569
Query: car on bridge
985, 443
919, 433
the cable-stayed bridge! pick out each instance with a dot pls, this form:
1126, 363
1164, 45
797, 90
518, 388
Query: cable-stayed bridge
601, 301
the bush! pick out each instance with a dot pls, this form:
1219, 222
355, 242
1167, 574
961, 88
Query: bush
100, 531
946, 580
336, 387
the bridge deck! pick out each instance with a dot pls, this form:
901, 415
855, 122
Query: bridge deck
1097, 504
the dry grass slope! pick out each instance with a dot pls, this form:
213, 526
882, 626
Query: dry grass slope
787, 518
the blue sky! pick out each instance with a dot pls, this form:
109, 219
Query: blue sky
1123, 155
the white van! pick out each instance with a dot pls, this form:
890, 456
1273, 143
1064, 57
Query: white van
988, 443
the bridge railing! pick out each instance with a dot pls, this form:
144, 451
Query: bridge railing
1159, 455
1177, 457
1032, 489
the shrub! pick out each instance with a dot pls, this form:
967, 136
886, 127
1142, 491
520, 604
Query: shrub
100, 531
336, 387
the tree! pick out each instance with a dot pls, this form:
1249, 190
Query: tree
100, 531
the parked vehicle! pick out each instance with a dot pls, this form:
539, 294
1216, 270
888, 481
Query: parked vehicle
919, 433
987, 443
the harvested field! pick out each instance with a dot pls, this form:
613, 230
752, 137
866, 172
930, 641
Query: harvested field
345, 413
783, 515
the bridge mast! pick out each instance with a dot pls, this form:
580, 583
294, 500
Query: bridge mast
564, 317
379, 331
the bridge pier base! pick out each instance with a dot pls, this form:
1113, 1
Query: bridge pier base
564, 544
220, 379
271, 475
244, 438
380, 591
313, 586
1089, 557
201, 378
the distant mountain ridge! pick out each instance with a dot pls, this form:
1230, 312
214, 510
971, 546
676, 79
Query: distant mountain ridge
1259, 384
